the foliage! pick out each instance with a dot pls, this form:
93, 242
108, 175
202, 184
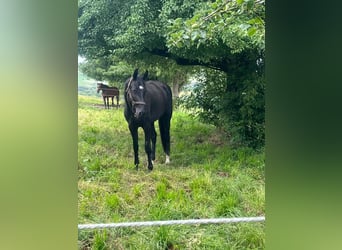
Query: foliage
225, 35
240, 112
229, 36
93, 69
205, 179
218, 29
203, 96
108, 69
196, 29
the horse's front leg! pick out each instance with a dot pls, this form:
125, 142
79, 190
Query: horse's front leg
148, 150
104, 101
107, 102
134, 133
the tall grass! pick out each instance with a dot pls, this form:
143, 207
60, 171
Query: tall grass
205, 179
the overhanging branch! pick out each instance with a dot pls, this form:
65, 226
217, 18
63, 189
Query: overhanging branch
222, 66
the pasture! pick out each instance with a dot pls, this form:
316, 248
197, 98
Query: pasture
205, 179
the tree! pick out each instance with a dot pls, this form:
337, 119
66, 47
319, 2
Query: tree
213, 34
109, 69
227, 36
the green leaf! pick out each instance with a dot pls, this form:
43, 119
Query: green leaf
250, 4
203, 34
185, 36
256, 20
194, 36
251, 31
244, 26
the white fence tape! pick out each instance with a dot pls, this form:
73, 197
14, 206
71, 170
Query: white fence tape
171, 222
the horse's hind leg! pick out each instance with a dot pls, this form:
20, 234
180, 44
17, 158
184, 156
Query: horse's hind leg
153, 139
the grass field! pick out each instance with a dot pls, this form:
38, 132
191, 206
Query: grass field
205, 179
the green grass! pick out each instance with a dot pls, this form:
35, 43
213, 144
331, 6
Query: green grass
205, 179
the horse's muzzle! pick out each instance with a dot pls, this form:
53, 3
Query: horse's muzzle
138, 114
138, 109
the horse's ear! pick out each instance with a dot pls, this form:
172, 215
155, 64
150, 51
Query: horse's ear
145, 75
135, 74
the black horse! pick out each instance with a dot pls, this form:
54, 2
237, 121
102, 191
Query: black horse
108, 92
146, 102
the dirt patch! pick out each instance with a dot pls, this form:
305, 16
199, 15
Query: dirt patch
100, 106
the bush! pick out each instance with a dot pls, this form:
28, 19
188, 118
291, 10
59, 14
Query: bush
234, 103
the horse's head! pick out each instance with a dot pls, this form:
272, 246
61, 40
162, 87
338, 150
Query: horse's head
99, 87
136, 93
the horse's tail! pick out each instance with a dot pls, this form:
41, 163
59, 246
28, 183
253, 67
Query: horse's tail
164, 127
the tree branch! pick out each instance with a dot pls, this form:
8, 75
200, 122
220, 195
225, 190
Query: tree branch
222, 66
215, 11
223, 5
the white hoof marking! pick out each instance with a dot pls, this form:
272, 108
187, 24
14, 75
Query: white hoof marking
167, 161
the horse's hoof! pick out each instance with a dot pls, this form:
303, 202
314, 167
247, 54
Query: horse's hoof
137, 167
150, 167
167, 160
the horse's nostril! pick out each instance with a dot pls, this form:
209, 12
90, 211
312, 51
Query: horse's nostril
138, 114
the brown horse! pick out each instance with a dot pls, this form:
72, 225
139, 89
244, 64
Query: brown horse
108, 92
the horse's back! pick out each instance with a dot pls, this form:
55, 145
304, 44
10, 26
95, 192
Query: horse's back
160, 96
110, 91
159, 90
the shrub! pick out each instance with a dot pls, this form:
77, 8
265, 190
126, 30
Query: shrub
234, 103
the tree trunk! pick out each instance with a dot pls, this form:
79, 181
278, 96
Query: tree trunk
175, 90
